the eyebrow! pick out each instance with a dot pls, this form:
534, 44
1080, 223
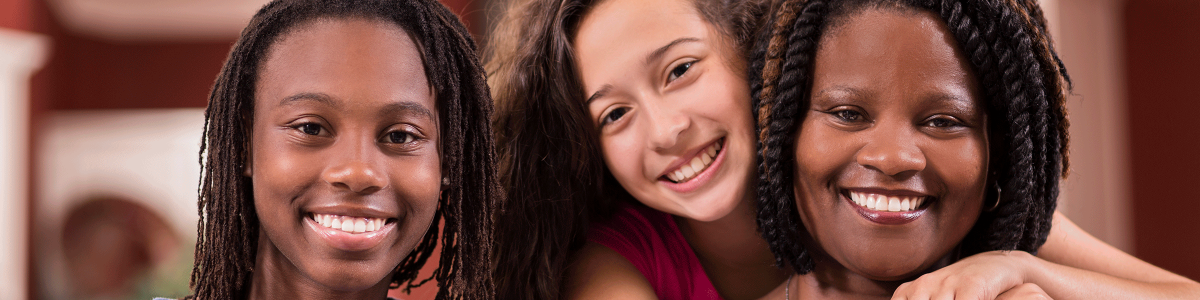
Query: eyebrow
658, 53
398, 108
600, 93
840, 89
316, 97
653, 56
406, 107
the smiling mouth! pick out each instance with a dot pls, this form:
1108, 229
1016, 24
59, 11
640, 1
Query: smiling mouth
885, 203
698, 164
351, 224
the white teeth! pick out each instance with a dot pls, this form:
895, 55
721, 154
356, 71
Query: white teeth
687, 171
349, 224
884, 203
360, 225
696, 165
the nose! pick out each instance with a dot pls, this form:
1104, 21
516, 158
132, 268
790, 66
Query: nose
892, 152
355, 170
668, 125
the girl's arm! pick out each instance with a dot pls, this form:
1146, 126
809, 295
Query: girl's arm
598, 272
1071, 265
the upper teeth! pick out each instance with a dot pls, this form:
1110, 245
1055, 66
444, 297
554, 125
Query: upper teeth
349, 224
886, 203
698, 163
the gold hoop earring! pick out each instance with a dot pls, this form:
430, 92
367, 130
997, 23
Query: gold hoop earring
999, 192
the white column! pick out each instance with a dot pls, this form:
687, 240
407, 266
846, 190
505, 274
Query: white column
23, 53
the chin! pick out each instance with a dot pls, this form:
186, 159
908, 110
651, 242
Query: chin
884, 269
715, 210
350, 280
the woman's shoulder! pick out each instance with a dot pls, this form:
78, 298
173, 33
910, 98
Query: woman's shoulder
598, 272
647, 241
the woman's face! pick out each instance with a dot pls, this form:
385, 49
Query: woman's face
344, 154
892, 152
671, 103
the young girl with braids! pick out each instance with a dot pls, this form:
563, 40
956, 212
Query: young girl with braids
337, 137
902, 136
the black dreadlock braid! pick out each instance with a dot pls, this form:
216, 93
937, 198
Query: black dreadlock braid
228, 231
1023, 81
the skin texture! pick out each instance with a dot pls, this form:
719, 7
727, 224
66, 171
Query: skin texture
659, 97
1071, 265
894, 111
655, 111
344, 124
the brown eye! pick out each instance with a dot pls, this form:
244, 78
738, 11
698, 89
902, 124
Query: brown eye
679, 70
310, 128
848, 115
943, 122
614, 115
399, 137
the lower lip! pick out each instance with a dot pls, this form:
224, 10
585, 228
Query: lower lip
887, 217
350, 242
700, 179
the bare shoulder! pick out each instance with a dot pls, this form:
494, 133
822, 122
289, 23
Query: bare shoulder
598, 272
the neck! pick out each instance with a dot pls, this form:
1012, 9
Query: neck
275, 277
734, 255
831, 280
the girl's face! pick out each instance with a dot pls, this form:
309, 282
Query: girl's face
892, 153
344, 154
671, 103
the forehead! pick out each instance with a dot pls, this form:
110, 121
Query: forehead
636, 21
876, 47
619, 32
348, 58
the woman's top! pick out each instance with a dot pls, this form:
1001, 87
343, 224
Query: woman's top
652, 242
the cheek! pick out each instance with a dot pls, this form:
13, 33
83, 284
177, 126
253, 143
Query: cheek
278, 171
725, 98
418, 181
966, 164
821, 151
622, 154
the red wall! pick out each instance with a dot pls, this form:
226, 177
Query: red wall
1162, 55
14, 14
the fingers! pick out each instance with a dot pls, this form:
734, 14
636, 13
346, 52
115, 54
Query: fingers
1026, 291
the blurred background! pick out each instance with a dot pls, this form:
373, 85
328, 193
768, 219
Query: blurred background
101, 111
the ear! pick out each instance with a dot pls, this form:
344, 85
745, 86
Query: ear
246, 164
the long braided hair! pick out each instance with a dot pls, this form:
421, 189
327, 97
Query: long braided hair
1023, 81
228, 231
551, 165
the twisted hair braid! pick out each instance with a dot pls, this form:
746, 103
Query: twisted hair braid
228, 229
1024, 85
789, 49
